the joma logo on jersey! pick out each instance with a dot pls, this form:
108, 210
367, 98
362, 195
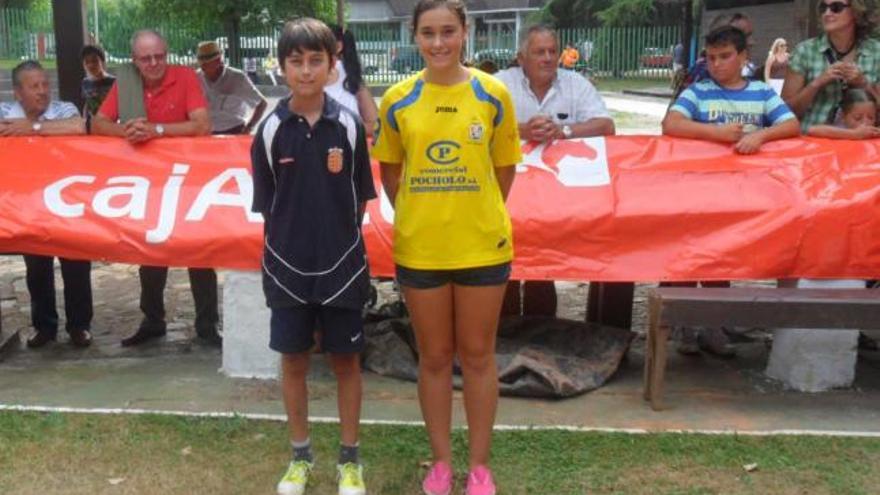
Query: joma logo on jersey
443, 152
442, 109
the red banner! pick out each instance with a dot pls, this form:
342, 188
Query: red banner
621, 208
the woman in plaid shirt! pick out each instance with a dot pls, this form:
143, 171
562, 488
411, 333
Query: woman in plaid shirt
823, 68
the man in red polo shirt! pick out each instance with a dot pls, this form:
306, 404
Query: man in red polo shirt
172, 105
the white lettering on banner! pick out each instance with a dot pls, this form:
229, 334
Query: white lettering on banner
136, 207
137, 189
574, 162
168, 206
211, 195
56, 204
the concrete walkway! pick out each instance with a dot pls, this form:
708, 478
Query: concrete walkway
619, 102
178, 374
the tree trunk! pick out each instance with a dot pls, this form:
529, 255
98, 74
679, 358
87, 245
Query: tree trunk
233, 37
340, 13
687, 31
69, 27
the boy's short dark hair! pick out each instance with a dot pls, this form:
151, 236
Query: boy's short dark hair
727, 35
90, 50
305, 34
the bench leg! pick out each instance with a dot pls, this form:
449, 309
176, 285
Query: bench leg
649, 361
658, 366
654, 307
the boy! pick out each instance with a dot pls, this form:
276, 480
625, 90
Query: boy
311, 181
726, 107
730, 109
97, 82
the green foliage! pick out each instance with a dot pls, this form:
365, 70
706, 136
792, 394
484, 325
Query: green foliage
593, 13
628, 13
573, 13
247, 11
18, 4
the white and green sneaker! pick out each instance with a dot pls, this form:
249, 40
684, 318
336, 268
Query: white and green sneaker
351, 479
295, 479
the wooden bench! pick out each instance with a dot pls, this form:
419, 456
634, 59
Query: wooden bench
748, 307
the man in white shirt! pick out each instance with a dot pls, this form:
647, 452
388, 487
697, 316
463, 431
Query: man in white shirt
232, 97
34, 113
550, 104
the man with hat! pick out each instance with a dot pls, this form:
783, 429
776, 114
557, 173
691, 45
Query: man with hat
231, 95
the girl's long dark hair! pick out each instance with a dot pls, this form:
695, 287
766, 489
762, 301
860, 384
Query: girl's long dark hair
350, 60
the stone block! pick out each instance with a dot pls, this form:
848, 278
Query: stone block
246, 352
815, 360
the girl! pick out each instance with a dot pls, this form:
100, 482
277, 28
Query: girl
346, 85
857, 120
448, 142
776, 65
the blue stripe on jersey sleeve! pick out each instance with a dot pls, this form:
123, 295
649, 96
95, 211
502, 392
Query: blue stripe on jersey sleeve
482, 95
779, 114
686, 107
407, 100
745, 95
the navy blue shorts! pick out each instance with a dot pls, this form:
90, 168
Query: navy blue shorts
431, 279
292, 329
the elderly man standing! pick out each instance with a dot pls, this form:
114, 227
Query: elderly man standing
550, 104
33, 114
231, 95
152, 100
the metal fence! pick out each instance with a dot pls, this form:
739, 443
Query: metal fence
629, 52
387, 53
26, 34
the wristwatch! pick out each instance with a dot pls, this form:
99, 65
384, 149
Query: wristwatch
566, 131
160, 130
36, 127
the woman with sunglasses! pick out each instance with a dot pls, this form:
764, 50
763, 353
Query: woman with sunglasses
821, 69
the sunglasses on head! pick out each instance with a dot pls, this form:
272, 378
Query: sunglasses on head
834, 7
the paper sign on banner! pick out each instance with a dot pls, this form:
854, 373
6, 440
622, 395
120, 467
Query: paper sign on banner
574, 162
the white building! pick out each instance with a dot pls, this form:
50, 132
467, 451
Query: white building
493, 23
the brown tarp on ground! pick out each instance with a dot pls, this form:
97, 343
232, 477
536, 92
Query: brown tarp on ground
537, 357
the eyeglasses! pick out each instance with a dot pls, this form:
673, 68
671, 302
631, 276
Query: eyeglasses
834, 7
155, 58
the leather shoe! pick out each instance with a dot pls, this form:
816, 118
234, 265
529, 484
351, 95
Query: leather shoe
80, 338
142, 335
39, 339
210, 337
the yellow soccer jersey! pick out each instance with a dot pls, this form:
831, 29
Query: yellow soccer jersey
449, 212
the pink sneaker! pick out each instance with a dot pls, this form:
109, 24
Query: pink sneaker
479, 482
439, 480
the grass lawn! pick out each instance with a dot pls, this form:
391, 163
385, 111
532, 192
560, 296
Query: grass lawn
90, 454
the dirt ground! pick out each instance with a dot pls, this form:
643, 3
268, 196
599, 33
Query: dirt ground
116, 291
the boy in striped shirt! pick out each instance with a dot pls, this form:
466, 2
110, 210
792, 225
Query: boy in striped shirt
726, 107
